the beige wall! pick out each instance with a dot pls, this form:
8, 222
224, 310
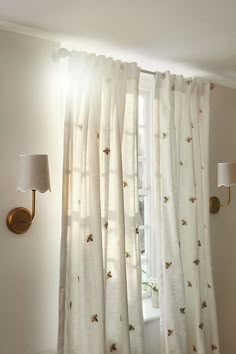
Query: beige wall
29, 264
223, 225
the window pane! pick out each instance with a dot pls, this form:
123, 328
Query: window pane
141, 141
141, 211
141, 164
140, 118
142, 241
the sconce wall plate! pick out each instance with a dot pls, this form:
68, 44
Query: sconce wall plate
214, 205
19, 220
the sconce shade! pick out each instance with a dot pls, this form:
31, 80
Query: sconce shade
226, 174
33, 173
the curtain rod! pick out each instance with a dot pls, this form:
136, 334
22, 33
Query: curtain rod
64, 53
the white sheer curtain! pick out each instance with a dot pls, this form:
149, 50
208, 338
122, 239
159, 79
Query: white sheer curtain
100, 282
181, 124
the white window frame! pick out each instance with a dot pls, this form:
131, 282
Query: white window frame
146, 90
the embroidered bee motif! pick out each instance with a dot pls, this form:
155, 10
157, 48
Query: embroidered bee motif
137, 230
89, 238
199, 243
202, 167
125, 184
131, 327
194, 348
181, 163
107, 151
184, 222
192, 199
127, 255
213, 347
70, 305
113, 347
189, 139
166, 199
168, 265
182, 310
200, 111
94, 318
120, 318
170, 332
79, 202
98, 135
196, 261
189, 284
209, 286
164, 135
78, 278
80, 126
106, 225
201, 325
109, 275
204, 305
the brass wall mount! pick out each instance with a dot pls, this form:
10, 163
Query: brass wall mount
20, 219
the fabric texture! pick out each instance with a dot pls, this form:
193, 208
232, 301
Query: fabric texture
181, 134
100, 277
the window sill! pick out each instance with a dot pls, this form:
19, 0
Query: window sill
150, 313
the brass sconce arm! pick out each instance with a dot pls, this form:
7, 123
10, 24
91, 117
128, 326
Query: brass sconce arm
33, 176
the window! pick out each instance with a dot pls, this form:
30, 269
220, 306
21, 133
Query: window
145, 177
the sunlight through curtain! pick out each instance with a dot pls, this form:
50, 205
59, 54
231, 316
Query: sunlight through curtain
181, 134
100, 276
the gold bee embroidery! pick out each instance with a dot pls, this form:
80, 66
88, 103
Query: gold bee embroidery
192, 199
106, 225
127, 255
164, 135
204, 305
181, 163
168, 265
194, 348
94, 318
70, 305
209, 286
196, 261
189, 139
213, 347
113, 347
89, 238
137, 230
201, 325
170, 332
107, 151
125, 184
166, 199
189, 284
109, 275
199, 243
131, 327
182, 310
98, 135
184, 222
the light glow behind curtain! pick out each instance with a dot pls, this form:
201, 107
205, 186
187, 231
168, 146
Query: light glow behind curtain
181, 133
100, 276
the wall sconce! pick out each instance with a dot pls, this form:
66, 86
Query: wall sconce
33, 176
226, 177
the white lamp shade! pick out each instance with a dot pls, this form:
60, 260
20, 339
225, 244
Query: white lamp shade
33, 173
226, 174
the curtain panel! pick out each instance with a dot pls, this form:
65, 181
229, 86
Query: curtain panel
100, 276
181, 133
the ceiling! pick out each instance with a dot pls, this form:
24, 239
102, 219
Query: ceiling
184, 36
